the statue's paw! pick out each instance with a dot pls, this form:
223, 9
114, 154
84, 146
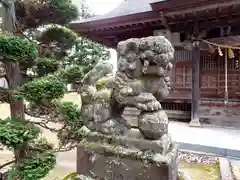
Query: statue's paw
151, 106
107, 127
142, 107
144, 98
154, 106
113, 126
105, 130
157, 105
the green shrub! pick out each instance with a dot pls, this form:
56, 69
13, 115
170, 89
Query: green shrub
46, 65
34, 168
59, 34
17, 48
43, 90
16, 132
72, 74
66, 10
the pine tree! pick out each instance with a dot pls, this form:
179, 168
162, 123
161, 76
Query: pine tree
39, 57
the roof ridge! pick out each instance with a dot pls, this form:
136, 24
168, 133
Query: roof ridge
126, 7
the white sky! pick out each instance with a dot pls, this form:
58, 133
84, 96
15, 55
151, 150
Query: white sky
100, 7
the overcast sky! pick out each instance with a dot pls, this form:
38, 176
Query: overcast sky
102, 6
99, 7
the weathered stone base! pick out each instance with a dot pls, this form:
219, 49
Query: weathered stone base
102, 160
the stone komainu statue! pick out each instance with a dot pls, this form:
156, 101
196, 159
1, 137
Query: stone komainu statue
141, 81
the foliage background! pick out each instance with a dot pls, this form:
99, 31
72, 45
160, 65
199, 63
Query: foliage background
38, 60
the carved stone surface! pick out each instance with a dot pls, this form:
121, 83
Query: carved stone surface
108, 162
113, 149
141, 81
153, 125
133, 139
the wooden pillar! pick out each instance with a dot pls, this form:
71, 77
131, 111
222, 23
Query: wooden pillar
195, 85
226, 77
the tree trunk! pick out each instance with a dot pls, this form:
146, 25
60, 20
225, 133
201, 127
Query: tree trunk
14, 78
9, 17
12, 68
14, 81
13, 73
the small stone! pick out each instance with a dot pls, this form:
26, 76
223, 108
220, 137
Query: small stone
197, 158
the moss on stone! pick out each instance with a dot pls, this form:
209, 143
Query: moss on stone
104, 95
105, 82
200, 171
107, 149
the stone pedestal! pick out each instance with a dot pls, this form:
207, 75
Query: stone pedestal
127, 158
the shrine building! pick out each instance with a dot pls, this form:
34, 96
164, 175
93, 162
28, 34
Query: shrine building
206, 38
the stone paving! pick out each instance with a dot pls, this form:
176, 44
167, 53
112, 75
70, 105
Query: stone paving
206, 136
181, 132
235, 164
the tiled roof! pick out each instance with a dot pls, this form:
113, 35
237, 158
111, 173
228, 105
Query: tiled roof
127, 7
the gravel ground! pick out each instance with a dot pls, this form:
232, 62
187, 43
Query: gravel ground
235, 164
236, 172
197, 158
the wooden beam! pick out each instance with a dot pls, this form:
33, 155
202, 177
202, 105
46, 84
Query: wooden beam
120, 30
173, 4
117, 21
106, 42
195, 85
198, 7
148, 17
206, 24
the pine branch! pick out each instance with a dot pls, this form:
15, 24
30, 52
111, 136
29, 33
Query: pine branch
37, 114
43, 122
45, 126
67, 147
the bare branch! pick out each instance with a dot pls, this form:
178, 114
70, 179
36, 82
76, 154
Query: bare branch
39, 113
44, 124
67, 147
35, 149
43, 120
30, 113
7, 164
